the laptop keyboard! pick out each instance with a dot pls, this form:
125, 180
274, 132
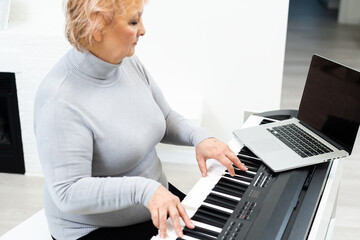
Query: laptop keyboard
298, 140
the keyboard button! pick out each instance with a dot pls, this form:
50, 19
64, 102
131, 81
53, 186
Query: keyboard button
300, 141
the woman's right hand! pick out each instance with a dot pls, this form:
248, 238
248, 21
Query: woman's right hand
164, 203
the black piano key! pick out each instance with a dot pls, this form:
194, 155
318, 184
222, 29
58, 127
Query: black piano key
249, 167
241, 178
231, 184
221, 201
214, 212
225, 190
243, 184
250, 162
242, 156
179, 238
208, 219
198, 235
244, 174
246, 151
206, 231
223, 198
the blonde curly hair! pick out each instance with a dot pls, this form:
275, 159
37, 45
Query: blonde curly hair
84, 17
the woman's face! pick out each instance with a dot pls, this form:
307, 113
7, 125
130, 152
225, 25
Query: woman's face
119, 40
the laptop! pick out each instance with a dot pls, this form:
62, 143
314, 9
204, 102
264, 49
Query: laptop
325, 127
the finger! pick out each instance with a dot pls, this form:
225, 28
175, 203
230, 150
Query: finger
175, 218
185, 217
162, 222
227, 163
202, 166
155, 218
233, 158
242, 166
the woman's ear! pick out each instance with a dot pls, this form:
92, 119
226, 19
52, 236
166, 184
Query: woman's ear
97, 35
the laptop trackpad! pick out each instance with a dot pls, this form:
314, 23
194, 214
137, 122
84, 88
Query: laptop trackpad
268, 145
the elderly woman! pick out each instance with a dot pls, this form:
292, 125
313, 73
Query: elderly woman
98, 117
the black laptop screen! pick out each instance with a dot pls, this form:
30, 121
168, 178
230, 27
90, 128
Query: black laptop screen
331, 101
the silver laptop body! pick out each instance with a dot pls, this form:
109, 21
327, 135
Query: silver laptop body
329, 112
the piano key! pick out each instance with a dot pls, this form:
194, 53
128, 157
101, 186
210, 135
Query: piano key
249, 158
231, 184
197, 234
206, 226
237, 179
251, 168
202, 188
225, 209
212, 214
214, 211
241, 178
250, 163
226, 196
243, 155
221, 201
226, 190
248, 174
187, 238
211, 220
206, 231
247, 151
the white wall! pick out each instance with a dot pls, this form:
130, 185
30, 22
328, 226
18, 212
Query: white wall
32, 43
349, 12
228, 53
213, 59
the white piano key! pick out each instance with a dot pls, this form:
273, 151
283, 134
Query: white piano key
218, 207
216, 169
171, 234
252, 172
207, 226
202, 188
226, 195
170, 231
246, 177
156, 238
237, 180
189, 238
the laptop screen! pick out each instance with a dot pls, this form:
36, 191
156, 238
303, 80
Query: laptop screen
331, 101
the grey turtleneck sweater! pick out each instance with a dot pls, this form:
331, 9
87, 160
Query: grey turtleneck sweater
97, 125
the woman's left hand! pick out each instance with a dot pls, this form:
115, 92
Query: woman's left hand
212, 148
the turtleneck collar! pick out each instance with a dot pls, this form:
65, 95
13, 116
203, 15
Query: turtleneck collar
91, 66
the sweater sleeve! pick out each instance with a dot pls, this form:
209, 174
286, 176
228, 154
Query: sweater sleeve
65, 147
179, 130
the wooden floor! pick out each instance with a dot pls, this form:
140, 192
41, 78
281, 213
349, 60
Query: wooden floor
311, 29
